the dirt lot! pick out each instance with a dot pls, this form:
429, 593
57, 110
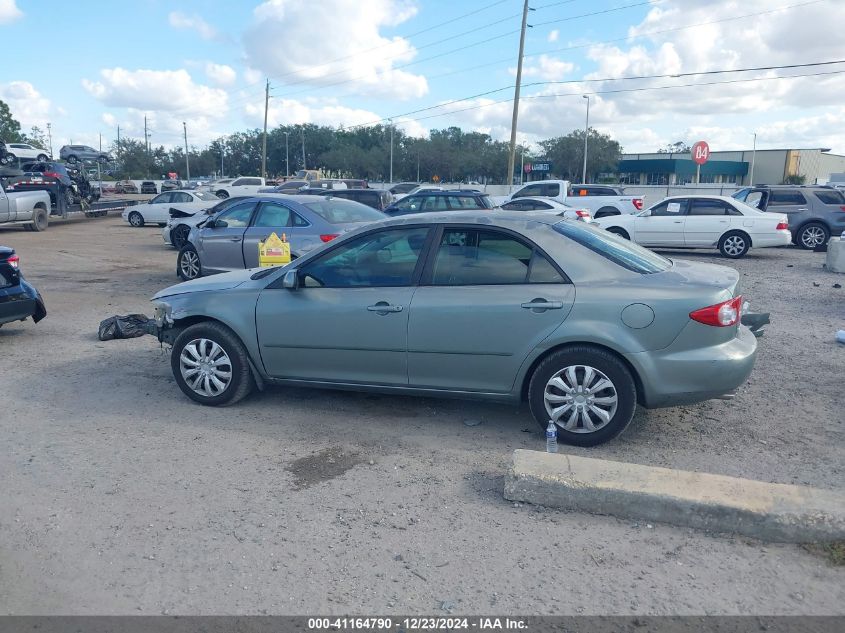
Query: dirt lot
121, 496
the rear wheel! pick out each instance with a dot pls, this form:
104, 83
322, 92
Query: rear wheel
734, 244
188, 265
619, 231
812, 235
211, 365
222, 194
72, 159
587, 392
136, 219
41, 158
39, 220
179, 236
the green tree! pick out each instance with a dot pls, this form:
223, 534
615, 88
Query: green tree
10, 129
678, 147
38, 138
567, 154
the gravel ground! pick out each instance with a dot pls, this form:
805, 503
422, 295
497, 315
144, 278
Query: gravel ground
120, 496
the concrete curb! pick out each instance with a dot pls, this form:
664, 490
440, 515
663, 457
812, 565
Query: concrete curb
770, 512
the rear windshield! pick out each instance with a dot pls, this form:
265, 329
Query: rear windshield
337, 211
202, 195
617, 249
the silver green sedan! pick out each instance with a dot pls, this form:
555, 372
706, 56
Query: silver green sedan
505, 306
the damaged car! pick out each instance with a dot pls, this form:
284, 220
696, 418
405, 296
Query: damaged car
18, 299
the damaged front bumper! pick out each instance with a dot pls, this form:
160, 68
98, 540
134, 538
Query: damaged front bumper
21, 302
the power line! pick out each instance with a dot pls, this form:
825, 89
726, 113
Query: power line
586, 15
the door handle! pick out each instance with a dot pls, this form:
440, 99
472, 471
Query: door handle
677, 221
802, 209
382, 307
234, 239
542, 304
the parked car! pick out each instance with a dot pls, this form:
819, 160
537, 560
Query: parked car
157, 210
403, 187
30, 209
702, 222
171, 185
245, 186
148, 186
553, 206
125, 186
601, 200
229, 240
24, 151
50, 177
439, 201
18, 299
82, 153
181, 222
582, 324
355, 183
291, 186
379, 199
417, 189
815, 212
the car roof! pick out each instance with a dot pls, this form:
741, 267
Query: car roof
699, 196
451, 192
494, 218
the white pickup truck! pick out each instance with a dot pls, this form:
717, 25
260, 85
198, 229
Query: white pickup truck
601, 200
244, 186
29, 208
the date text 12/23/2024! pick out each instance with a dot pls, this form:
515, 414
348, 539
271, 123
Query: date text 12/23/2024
421, 623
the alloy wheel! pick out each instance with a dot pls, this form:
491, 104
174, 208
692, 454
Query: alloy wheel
189, 264
734, 245
580, 399
205, 367
812, 236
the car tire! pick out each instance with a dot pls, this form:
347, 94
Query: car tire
188, 265
179, 236
136, 220
222, 194
10, 158
619, 231
72, 159
42, 158
812, 235
204, 357
607, 211
40, 220
734, 244
583, 367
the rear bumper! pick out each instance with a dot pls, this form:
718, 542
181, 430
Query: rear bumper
672, 377
21, 302
779, 238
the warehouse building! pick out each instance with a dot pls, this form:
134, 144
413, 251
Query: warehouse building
764, 166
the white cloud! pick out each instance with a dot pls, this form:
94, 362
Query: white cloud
546, 68
281, 44
220, 74
553, 35
179, 20
28, 106
9, 11
290, 111
157, 90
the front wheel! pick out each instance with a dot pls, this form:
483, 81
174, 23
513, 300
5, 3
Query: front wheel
136, 219
210, 365
188, 264
812, 235
41, 158
734, 245
587, 392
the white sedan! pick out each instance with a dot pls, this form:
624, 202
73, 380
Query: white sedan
702, 222
157, 210
547, 204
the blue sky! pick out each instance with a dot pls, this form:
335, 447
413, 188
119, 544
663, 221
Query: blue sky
349, 62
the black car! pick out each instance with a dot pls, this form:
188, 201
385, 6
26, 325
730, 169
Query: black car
148, 186
18, 299
456, 200
379, 199
48, 176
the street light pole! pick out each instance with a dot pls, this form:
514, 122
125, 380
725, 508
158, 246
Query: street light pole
303, 147
391, 150
586, 135
287, 156
753, 156
187, 162
50, 136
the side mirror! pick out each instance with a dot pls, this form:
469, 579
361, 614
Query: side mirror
291, 279
216, 224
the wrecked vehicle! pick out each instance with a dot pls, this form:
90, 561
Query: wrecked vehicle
18, 299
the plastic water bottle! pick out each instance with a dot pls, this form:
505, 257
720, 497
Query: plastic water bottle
840, 337
551, 438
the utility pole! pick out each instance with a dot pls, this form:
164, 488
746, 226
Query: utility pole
512, 153
264, 141
303, 147
50, 136
586, 135
418, 164
287, 156
118, 143
147, 144
187, 162
99, 173
391, 150
753, 156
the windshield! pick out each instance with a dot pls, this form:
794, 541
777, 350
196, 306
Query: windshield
336, 211
203, 195
617, 249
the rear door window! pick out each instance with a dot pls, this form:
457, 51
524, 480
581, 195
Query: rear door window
551, 189
465, 202
181, 196
787, 196
530, 190
710, 207
830, 197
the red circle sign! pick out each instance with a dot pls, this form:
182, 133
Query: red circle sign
700, 152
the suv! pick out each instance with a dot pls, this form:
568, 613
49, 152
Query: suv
404, 187
814, 211
376, 198
439, 201
76, 153
148, 186
24, 151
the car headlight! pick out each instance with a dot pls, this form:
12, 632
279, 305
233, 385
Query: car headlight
163, 314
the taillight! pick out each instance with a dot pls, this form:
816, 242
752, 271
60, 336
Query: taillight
13, 261
328, 237
583, 214
52, 174
722, 314
638, 203
782, 226
842, 208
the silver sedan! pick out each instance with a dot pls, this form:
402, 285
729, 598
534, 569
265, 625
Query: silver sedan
497, 305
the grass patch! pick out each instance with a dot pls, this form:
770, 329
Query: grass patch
834, 552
